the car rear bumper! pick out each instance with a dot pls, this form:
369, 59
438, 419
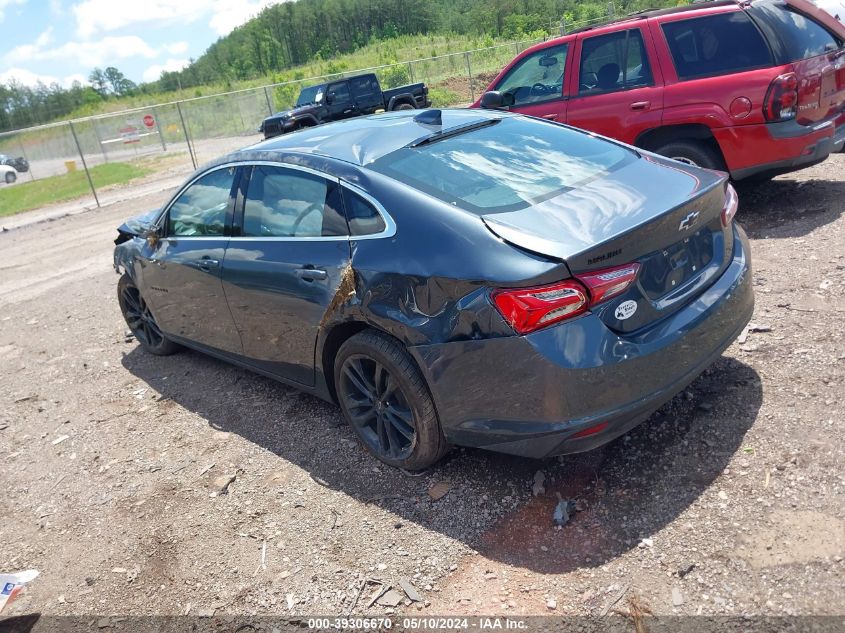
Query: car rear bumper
775, 148
529, 395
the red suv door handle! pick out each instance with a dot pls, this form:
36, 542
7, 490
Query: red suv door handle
550, 117
640, 105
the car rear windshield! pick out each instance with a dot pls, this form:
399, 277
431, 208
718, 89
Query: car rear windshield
506, 166
800, 36
716, 45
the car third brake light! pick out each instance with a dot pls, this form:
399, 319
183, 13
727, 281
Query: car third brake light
531, 309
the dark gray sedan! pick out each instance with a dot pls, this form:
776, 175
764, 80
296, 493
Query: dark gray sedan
466, 277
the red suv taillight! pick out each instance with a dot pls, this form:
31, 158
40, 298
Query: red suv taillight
731, 205
781, 101
530, 309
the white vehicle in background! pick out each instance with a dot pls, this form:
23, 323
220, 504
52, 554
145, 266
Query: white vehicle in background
8, 174
836, 8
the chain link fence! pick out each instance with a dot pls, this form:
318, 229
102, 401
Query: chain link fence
91, 160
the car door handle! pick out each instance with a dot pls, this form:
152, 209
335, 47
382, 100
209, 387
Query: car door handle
640, 105
206, 263
311, 274
550, 117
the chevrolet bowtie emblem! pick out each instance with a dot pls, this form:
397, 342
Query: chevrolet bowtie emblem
688, 221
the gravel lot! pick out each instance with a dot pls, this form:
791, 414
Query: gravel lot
145, 485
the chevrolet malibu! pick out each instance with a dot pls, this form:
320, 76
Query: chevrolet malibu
455, 277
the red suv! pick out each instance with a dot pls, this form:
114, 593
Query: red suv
753, 88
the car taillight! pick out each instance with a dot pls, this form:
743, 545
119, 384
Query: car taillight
530, 309
781, 101
607, 283
731, 205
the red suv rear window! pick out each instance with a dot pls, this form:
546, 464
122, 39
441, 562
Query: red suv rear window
716, 45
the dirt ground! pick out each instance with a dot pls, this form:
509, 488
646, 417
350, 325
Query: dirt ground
145, 485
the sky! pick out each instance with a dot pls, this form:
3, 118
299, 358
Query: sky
63, 41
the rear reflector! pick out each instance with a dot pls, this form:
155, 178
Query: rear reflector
731, 205
530, 309
591, 430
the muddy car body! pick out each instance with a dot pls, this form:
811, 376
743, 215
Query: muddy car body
482, 278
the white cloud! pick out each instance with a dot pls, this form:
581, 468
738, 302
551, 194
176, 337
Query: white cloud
29, 78
226, 15
176, 48
8, 3
95, 16
171, 65
103, 52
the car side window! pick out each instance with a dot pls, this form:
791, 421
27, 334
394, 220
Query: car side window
201, 209
361, 87
284, 202
537, 77
716, 45
801, 35
340, 93
362, 216
616, 61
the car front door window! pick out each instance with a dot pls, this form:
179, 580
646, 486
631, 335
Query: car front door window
201, 209
617, 61
537, 77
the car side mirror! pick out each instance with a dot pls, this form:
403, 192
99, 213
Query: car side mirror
329, 98
495, 100
152, 235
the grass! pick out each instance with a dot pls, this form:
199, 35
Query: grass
31, 195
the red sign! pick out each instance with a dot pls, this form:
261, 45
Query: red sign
149, 121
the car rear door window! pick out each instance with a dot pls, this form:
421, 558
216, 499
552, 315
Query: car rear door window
800, 35
616, 61
537, 77
716, 45
285, 202
201, 208
363, 87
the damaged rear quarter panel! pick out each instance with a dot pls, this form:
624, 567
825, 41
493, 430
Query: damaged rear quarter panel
429, 283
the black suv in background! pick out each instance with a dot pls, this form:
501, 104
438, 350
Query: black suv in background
343, 99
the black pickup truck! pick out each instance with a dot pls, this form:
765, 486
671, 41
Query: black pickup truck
343, 99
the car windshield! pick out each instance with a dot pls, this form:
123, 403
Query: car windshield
314, 94
514, 164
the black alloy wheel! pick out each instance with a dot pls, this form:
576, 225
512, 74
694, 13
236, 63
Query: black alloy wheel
141, 321
386, 401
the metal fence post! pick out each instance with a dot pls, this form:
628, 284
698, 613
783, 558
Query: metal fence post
84, 164
411, 72
157, 121
269, 100
96, 124
563, 26
469, 74
187, 136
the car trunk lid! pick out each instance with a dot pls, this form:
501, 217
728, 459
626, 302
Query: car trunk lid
655, 212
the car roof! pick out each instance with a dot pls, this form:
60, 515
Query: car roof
363, 140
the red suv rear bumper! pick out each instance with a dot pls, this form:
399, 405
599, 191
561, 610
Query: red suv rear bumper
784, 146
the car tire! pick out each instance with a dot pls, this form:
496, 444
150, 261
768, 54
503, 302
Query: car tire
404, 106
693, 153
140, 321
386, 401
11, 177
